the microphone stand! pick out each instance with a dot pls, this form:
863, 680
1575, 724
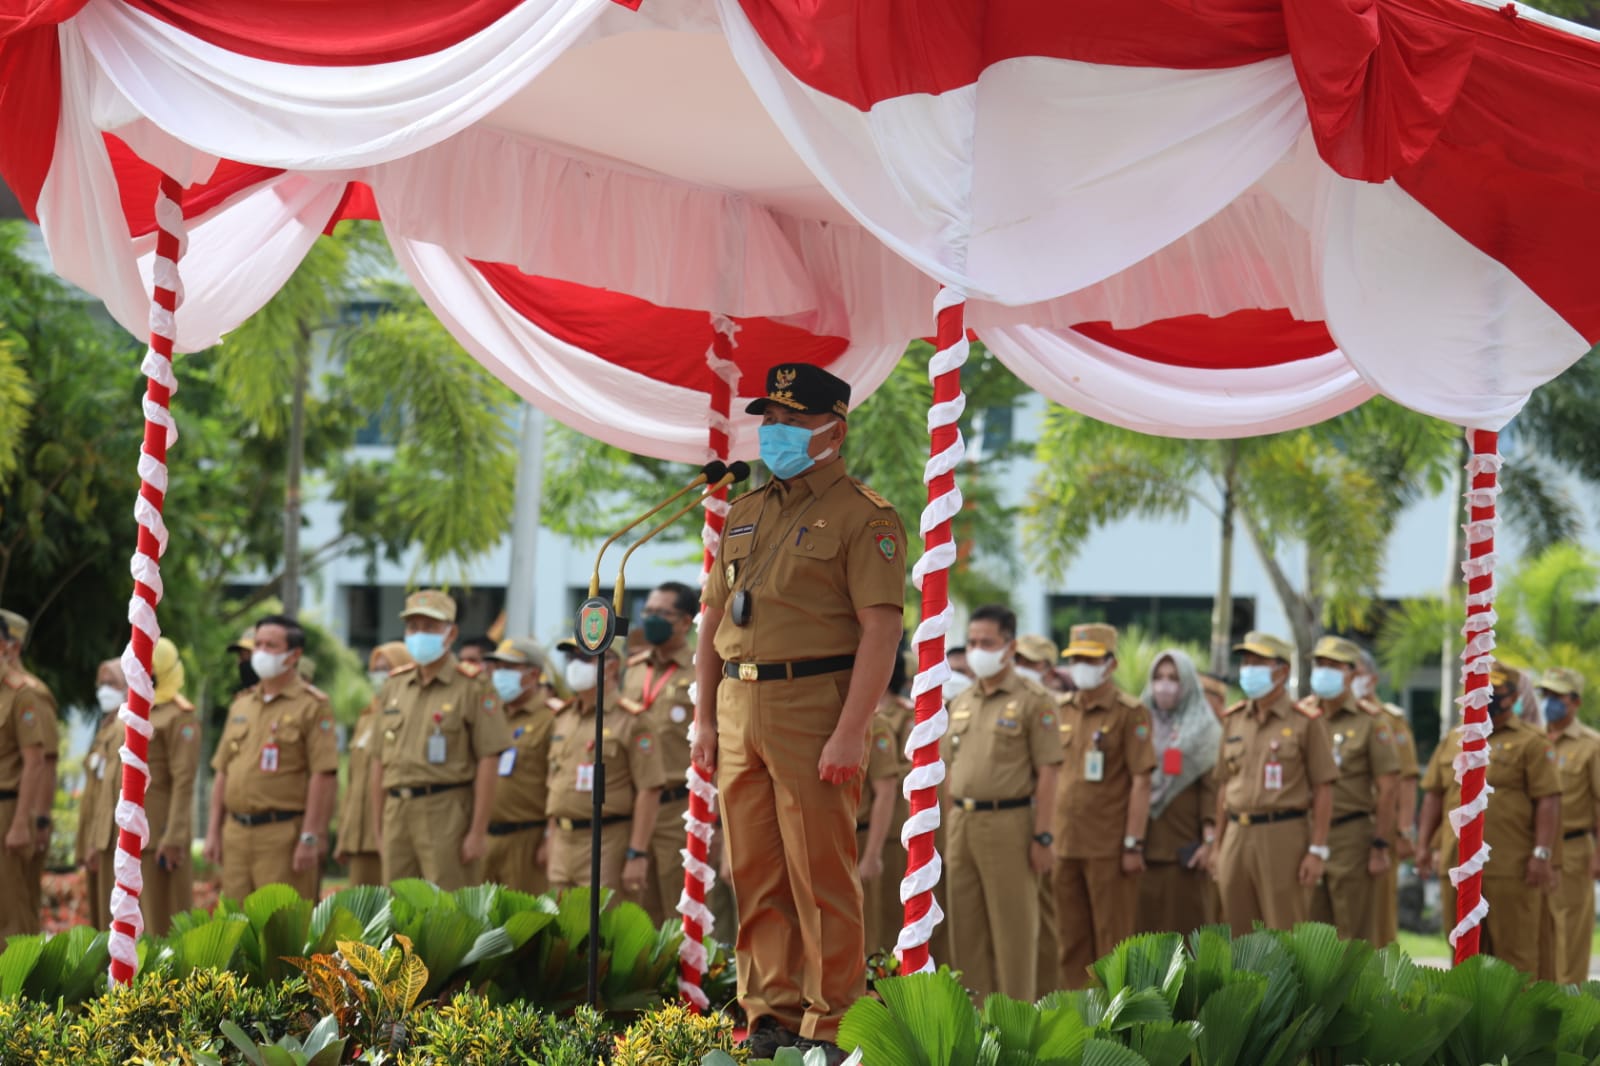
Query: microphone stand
599, 623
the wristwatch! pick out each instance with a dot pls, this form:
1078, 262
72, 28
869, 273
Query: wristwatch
635, 853
1379, 842
308, 839
1542, 854
42, 821
1131, 843
1319, 850
1044, 840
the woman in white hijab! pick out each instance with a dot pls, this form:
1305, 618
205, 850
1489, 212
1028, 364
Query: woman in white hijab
1176, 893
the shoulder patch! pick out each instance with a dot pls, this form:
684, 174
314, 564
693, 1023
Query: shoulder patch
403, 668
468, 669
1237, 707
873, 496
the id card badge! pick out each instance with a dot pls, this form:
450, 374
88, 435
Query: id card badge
1274, 776
1094, 765
269, 757
1172, 762
97, 765
436, 748
508, 762
585, 781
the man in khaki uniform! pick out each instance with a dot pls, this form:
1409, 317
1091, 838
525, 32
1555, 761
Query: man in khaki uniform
1102, 807
517, 857
1037, 658
174, 758
1568, 919
1363, 796
433, 780
1003, 754
102, 787
1275, 769
1386, 923
1521, 827
656, 689
28, 753
803, 611
359, 848
277, 773
874, 817
633, 774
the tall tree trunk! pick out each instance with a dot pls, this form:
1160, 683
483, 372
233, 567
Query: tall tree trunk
1455, 552
1302, 615
526, 505
1222, 607
291, 494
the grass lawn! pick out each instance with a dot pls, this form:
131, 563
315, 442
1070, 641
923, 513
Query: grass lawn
1434, 946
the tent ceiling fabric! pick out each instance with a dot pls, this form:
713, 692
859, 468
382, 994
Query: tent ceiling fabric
1406, 190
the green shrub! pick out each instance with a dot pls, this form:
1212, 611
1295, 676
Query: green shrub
674, 1034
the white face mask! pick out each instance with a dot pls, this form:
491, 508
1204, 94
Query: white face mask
109, 698
1031, 674
1087, 676
582, 675
377, 677
957, 684
1361, 687
984, 662
269, 665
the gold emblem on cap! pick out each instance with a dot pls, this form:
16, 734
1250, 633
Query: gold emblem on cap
784, 377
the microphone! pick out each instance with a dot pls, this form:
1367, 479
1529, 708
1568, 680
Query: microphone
715, 470
733, 473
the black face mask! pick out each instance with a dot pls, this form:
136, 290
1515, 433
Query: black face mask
247, 674
657, 630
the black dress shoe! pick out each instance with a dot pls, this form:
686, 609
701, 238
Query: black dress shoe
767, 1036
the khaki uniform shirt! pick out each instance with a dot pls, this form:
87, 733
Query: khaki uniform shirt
630, 754
1298, 740
1182, 823
1363, 750
174, 760
1578, 766
811, 554
524, 781
659, 690
1092, 816
998, 740
27, 718
459, 704
300, 722
355, 820
102, 787
1405, 746
1522, 771
882, 762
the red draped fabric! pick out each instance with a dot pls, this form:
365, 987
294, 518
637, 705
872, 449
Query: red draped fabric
1242, 340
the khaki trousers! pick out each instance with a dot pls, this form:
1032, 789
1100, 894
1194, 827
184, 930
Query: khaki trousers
21, 883
98, 883
513, 861
1569, 916
1096, 904
1511, 930
570, 851
257, 855
1046, 977
994, 901
1173, 899
165, 892
1347, 896
422, 838
1386, 906
792, 846
366, 868
664, 883
1258, 871
874, 933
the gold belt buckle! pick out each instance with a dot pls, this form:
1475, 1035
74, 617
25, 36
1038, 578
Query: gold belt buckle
969, 805
1244, 819
749, 672
565, 823
408, 793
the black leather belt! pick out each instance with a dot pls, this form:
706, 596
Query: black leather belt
265, 817
411, 792
990, 805
7, 794
505, 829
862, 827
570, 824
787, 671
1351, 817
1575, 834
673, 795
1263, 819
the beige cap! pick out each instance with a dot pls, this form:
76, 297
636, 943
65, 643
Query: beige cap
167, 670
16, 626
431, 603
1037, 649
1501, 674
521, 651
570, 647
1560, 679
246, 641
1266, 645
1338, 649
1093, 640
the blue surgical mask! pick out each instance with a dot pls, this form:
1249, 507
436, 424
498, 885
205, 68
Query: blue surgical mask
508, 683
1555, 709
1327, 682
785, 449
425, 647
1256, 681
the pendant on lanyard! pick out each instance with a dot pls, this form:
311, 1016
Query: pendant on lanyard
1274, 769
1094, 760
436, 744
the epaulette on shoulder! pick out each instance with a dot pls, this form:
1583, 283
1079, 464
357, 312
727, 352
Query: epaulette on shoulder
556, 704
468, 669
873, 496
183, 704
1129, 700
1313, 711
631, 706
22, 679
1237, 707
403, 668
316, 692
1371, 706
640, 657
1395, 709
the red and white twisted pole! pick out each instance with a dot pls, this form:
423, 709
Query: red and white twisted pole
160, 433
1471, 764
701, 818
932, 576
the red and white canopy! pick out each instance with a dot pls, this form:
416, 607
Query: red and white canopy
1191, 218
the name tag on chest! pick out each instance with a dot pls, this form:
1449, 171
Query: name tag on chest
437, 751
585, 779
508, 762
269, 758
1273, 776
1094, 765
